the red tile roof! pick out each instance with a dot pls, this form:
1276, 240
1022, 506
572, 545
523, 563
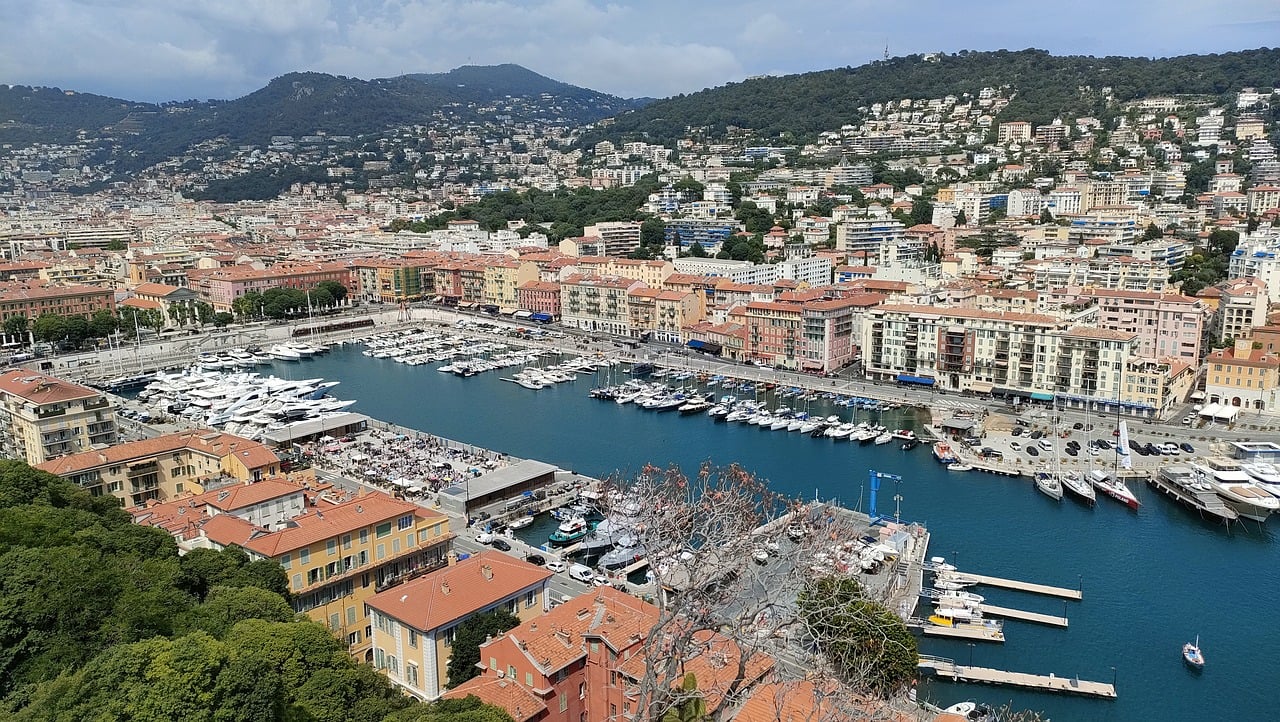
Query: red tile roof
41, 389
519, 702
445, 596
363, 511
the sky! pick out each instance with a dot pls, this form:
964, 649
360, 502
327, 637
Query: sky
157, 50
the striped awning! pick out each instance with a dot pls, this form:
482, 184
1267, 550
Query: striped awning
981, 387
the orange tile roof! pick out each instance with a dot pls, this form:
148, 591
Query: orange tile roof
445, 596
519, 702
251, 453
41, 389
556, 639
155, 289
372, 508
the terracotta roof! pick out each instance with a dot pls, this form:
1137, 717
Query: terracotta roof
141, 303
358, 513
155, 289
539, 286
1256, 357
519, 702
556, 639
935, 311
448, 595
41, 389
211, 443
714, 664
1104, 334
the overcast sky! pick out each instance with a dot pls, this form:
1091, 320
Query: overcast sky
178, 49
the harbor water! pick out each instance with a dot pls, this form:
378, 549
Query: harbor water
1152, 580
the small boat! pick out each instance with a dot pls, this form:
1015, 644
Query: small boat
908, 446
971, 711
884, 438
959, 467
570, 531
1049, 485
904, 434
520, 522
943, 453
1192, 655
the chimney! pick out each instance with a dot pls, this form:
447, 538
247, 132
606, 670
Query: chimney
487, 571
444, 587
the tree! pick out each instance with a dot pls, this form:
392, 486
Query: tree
103, 324
204, 313
697, 251
471, 633
1152, 232
709, 524
1045, 216
692, 708
962, 219
49, 327
337, 291
222, 319
868, 645
16, 325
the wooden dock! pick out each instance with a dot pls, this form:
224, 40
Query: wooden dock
1046, 683
1023, 615
1032, 587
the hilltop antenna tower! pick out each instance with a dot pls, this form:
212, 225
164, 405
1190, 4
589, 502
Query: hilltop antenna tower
886, 50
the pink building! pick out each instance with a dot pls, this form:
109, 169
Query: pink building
539, 297
1168, 325
222, 286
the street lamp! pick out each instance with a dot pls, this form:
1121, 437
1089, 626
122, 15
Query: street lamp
897, 508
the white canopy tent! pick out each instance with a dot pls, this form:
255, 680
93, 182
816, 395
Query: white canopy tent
1209, 410
1226, 413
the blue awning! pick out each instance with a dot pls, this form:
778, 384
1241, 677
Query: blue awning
541, 317
695, 343
1039, 396
909, 379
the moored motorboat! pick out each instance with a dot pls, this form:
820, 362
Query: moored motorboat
959, 467
943, 453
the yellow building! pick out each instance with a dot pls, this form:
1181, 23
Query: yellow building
651, 273
414, 624
1243, 376
166, 466
1162, 384
336, 556
42, 417
502, 278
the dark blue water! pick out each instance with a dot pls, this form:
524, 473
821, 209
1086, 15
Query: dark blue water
1152, 580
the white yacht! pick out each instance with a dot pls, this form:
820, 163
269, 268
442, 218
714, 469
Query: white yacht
1237, 488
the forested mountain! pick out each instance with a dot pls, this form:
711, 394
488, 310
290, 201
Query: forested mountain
302, 104
1045, 86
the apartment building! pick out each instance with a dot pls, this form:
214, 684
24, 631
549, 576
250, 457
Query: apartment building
414, 624
42, 417
663, 314
775, 333
222, 286
1243, 376
389, 280
582, 661
1032, 356
868, 236
502, 280
34, 298
164, 467
539, 297
1168, 325
597, 303
1160, 384
619, 238
1240, 306
1118, 273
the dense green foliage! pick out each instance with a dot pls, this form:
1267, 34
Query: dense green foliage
561, 214
259, 185
796, 107
1208, 265
280, 303
101, 619
470, 635
865, 642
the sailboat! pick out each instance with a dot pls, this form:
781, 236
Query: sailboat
1049, 485
1192, 655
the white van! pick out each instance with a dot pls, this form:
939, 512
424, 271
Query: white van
1046, 444
582, 573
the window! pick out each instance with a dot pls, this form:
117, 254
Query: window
595, 648
284, 561
411, 671
413, 638
383, 530
404, 522
530, 598
564, 703
528, 679
331, 547
511, 672
353, 639
493, 663
382, 551
364, 536
582, 690
351, 615
304, 556
448, 635
395, 546
393, 664
334, 621
346, 541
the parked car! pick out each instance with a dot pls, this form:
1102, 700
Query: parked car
1071, 451
1077, 426
1016, 431
1037, 434
1104, 444
1187, 447
536, 559
1046, 444
501, 545
1152, 449
1188, 420
1033, 451
1015, 446
556, 565
485, 537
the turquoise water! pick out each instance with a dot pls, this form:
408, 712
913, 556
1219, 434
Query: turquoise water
1152, 580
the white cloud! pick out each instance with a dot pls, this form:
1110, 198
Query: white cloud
162, 49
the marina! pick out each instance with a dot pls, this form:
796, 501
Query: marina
598, 438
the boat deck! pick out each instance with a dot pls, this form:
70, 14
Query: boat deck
978, 632
1048, 683
1204, 501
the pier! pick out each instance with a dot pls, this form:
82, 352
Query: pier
1046, 683
1073, 594
1023, 615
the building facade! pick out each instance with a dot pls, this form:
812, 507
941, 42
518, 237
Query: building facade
42, 417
